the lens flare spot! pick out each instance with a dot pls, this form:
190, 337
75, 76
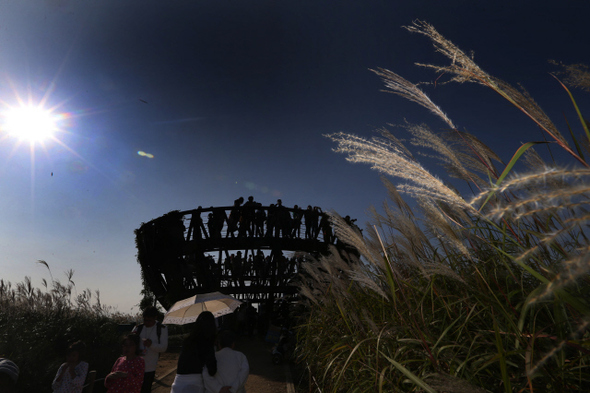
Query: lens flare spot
78, 166
251, 186
144, 154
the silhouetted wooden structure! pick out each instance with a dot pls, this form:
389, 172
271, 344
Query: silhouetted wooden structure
251, 252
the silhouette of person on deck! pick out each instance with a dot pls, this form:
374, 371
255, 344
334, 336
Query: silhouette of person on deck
308, 217
196, 228
283, 221
248, 215
234, 217
271, 220
326, 228
216, 219
296, 223
236, 267
259, 221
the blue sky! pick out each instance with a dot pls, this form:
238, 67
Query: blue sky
239, 95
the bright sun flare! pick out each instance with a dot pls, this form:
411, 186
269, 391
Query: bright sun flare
30, 123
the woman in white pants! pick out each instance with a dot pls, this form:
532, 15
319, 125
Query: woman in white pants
198, 351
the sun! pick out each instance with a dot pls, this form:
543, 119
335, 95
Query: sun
30, 123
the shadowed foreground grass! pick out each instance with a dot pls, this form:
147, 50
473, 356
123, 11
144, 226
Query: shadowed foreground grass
37, 325
458, 295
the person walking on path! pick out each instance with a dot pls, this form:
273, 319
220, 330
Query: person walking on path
197, 355
71, 375
232, 368
154, 340
127, 373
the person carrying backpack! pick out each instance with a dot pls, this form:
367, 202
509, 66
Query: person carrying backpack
154, 340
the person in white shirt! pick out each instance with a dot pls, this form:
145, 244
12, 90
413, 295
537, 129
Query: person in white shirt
232, 368
154, 340
71, 375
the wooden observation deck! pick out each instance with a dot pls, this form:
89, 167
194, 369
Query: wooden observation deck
251, 252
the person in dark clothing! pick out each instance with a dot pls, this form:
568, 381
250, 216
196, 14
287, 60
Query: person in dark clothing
234, 217
196, 229
297, 217
228, 265
211, 225
283, 220
326, 228
312, 217
308, 216
248, 216
236, 269
259, 220
315, 229
271, 220
215, 223
258, 265
198, 353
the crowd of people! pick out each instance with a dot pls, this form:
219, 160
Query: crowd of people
252, 220
200, 368
237, 270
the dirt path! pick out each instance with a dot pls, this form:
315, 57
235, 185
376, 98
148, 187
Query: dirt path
265, 377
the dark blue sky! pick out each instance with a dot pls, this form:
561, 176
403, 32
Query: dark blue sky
239, 94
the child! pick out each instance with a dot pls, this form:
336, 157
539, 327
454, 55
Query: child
127, 373
71, 375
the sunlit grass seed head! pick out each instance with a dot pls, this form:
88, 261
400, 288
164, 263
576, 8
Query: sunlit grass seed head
576, 75
404, 88
464, 69
389, 157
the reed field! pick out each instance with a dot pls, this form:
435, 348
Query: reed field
481, 292
38, 324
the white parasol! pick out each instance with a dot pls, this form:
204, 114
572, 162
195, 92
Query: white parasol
188, 310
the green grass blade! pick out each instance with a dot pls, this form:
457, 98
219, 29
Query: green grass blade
388, 269
576, 143
382, 378
508, 168
348, 360
502, 359
411, 376
444, 333
584, 125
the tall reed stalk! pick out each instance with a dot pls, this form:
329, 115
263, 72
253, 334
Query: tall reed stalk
458, 295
